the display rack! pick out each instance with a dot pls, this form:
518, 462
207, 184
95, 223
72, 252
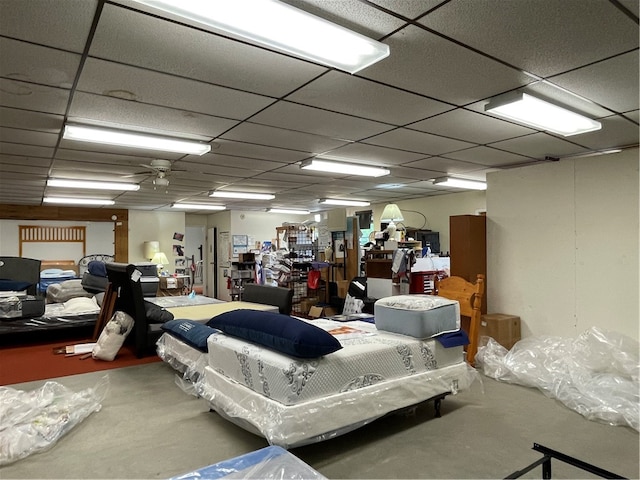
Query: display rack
298, 240
241, 273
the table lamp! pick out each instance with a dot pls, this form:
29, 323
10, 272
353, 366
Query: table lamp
160, 259
391, 214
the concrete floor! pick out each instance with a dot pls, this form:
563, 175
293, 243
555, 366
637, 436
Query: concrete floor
149, 428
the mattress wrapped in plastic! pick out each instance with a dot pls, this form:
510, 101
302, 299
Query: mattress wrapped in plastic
420, 316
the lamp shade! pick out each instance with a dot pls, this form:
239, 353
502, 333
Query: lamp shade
150, 249
160, 258
391, 213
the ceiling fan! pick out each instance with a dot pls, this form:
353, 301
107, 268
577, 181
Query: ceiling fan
161, 168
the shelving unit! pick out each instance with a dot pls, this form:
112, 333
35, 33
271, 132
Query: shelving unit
299, 240
241, 273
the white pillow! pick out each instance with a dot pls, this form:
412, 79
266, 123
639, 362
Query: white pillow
80, 305
352, 305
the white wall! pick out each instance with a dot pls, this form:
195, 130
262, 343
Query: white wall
562, 245
437, 211
149, 226
99, 239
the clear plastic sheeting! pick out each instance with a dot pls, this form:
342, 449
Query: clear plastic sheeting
33, 421
327, 417
189, 362
269, 463
595, 374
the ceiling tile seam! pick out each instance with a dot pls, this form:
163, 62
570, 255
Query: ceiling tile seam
74, 85
31, 82
37, 44
625, 10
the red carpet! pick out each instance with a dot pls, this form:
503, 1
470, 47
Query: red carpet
37, 362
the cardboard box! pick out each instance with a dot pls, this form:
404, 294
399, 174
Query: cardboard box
503, 328
246, 257
319, 311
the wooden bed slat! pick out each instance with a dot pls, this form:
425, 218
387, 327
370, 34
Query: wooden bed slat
52, 234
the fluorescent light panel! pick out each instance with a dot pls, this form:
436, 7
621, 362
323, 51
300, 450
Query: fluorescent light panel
344, 168
124, 138
59, 182
195, 206
78, 201
529, 110
244, 195
346, 203
288, 211
460, 183
283, 28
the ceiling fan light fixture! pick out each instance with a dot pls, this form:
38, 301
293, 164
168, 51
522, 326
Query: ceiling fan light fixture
460, 183
321, 165
535, 112
94, 185
242, 195
346, 203
125, 138
281, 27
77, 201
288, 211
196, 206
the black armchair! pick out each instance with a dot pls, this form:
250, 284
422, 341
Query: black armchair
130, 300
20, 269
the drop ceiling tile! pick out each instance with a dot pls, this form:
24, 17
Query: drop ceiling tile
8, 148
470, 126
540, 37
63, 25
372, 155
430, 65
443, 165
212, 161
416, 173
28, 137
122, 112
540, 145
634, 115
279, 137
616, 131
145, 86
293, 174
20, 160
26, 120
352, 95
409, 8
41, 171
320, 122
196, 54
33, 63
608, 83
90, 156
29, 96
420, 142
352, 14
489, 157
264, 152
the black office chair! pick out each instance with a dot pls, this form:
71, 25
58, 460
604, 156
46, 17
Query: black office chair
280, 297
19, 269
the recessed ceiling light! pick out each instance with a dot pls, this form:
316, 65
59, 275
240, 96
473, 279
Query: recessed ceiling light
321, 165
196, 206
460, 183
78, 201
288, 211
534, 112
59, 182
243, 195
127, 138
346, 203
281, 27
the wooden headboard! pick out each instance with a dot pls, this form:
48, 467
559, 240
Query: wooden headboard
49, 234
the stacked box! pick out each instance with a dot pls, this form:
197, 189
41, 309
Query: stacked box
503, 328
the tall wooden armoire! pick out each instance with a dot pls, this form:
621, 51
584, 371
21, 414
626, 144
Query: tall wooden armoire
468, 248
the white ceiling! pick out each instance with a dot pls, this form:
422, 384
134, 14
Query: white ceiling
419, 112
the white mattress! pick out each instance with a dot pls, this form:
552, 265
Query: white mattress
189, 361
368, 357
327, 417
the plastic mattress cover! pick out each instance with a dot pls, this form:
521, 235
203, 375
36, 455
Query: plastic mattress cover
595, 374
327, 417
33, 421
187, 361
269, 463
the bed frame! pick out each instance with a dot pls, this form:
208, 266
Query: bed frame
52, 234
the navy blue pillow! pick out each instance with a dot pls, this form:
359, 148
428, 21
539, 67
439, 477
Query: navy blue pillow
190, 332
97, 268
13, 285
279, 332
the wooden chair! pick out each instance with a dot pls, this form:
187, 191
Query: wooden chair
470, 297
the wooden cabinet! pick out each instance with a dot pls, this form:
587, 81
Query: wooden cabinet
378, 263
468, 248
